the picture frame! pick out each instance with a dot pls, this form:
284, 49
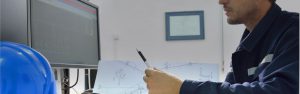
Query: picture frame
185, 25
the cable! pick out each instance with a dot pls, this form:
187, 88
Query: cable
89, 77
68, 80
76, 80
75, 90
72, 89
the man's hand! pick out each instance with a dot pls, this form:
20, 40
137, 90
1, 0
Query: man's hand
159, 82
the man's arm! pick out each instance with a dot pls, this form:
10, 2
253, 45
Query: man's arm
281, 76
286, 84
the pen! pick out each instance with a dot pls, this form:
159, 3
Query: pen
144, 59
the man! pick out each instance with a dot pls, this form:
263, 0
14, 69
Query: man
265, 62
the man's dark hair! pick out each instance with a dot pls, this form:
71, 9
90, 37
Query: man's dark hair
272, 0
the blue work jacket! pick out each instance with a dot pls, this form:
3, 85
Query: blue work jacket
265, 62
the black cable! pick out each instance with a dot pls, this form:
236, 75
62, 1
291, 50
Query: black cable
68, 80
76, 80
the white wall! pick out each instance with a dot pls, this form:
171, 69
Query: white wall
231, 38
141, 24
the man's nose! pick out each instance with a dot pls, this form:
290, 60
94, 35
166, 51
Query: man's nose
222, 2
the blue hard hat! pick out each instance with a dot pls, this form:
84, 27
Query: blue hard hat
24, 71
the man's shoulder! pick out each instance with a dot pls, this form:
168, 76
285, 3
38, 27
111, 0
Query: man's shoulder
286, 21
286, 27
291, 17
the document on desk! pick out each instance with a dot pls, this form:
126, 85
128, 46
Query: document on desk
126, 77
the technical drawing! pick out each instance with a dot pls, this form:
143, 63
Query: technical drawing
119, 75
137, 90
205, 76
126, 77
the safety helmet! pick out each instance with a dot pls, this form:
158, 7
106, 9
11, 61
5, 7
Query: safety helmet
24, 71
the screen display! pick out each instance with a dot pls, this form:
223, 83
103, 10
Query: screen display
65, 31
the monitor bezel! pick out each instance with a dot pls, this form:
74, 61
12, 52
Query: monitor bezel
66, 65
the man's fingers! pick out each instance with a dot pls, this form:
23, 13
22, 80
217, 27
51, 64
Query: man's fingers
148, 87
156, 69
145, 79
148, 72
152, 71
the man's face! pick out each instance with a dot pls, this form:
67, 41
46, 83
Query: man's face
239, 11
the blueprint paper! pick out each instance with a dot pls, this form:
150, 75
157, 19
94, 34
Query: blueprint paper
126, 77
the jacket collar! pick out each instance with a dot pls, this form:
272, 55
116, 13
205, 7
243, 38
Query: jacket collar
251, 39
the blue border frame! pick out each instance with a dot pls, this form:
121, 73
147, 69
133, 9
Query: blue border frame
184, 37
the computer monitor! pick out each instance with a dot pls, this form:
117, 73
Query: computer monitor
66, 32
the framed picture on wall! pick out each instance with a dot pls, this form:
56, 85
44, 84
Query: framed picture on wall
185, 25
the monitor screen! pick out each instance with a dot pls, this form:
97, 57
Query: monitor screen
65, 31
